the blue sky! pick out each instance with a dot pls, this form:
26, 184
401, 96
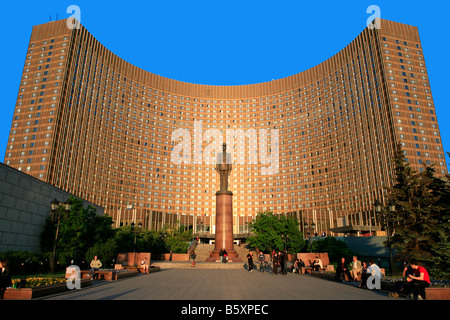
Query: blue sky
224, 42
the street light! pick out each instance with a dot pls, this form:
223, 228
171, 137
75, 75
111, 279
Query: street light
309, 228
392, 206
377, 206
285, 237
386, 219
133, 229
392, 211
54, 205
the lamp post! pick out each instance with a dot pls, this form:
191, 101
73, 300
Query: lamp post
134, 230
392, 211
56, 216
310, 227
285, 237
386, 219
200, 227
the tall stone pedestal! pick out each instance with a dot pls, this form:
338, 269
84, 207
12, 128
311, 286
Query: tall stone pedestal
224, 227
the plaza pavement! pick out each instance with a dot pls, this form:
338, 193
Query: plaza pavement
220, 284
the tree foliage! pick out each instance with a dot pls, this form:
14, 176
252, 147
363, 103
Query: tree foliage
335, 248
82, 234
79, 229
128, 240
275, 233
422, 210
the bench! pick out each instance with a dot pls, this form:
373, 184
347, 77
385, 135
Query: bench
131, 268
99, 275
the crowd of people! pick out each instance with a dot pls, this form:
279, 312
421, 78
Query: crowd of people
415, 280
277, 263
416, 277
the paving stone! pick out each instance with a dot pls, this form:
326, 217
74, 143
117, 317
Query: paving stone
221, 284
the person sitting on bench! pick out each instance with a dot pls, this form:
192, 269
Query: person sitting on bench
342, 269
95, 266
318, 264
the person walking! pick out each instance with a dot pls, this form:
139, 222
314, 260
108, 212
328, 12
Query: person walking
250, 261
262, 261
274, 262
193, 257
281, 261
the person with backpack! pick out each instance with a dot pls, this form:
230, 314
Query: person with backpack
193, 257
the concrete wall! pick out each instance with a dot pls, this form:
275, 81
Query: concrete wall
367, 246
24, 206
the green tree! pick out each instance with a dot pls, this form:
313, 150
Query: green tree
178, 241
271, 232
440, 262
79, 229
105, 250
335, 248
421, 215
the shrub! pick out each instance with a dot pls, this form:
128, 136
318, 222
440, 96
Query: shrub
26, 262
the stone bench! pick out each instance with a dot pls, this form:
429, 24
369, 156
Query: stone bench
99, 275
307, 270
131, 268
108, 275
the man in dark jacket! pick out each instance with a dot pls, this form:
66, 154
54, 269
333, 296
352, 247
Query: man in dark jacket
281, 258
342, 269
250, 261
274, 262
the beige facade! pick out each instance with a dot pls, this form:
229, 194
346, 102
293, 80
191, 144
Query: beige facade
98, 127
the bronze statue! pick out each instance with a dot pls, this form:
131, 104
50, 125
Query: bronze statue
224, 167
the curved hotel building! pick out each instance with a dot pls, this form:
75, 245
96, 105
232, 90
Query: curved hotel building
317, 145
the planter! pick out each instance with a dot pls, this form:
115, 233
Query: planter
437, 293
100, 275
324, 275
38, 292
112, 275
173, 257
388, 286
